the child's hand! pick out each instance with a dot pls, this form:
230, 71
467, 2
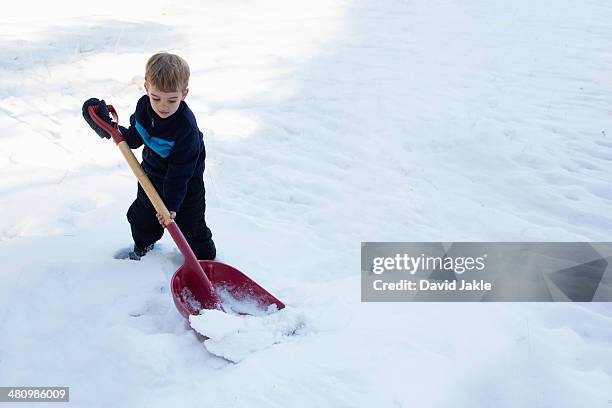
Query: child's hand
102, 114
161, 219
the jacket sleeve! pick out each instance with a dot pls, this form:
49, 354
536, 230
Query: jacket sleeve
131, 135
182, 162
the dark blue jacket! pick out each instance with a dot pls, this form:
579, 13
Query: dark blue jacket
174, 150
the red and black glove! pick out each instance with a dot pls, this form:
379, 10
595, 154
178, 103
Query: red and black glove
102, 113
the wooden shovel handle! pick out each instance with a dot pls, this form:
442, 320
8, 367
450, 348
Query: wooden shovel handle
144, 181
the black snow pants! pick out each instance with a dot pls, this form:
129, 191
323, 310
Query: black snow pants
190, 219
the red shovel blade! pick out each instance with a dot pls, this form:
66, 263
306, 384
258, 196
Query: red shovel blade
191, 295
198, 285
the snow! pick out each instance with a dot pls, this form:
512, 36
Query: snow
327, 123
235, 337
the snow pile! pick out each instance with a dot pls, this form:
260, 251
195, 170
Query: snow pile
235, 337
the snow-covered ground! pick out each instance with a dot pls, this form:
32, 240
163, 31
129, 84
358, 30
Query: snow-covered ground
327, 123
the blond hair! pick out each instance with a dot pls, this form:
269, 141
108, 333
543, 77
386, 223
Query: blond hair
167, 72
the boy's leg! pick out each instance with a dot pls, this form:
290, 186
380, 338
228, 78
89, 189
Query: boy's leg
191, 220
145, 227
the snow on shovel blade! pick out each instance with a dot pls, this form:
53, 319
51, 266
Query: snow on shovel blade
238, 293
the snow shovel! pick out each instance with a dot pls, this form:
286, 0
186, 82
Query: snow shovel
197, 284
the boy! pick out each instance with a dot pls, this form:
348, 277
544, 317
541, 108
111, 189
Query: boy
173, 157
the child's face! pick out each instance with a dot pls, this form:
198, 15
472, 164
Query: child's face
164, 103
